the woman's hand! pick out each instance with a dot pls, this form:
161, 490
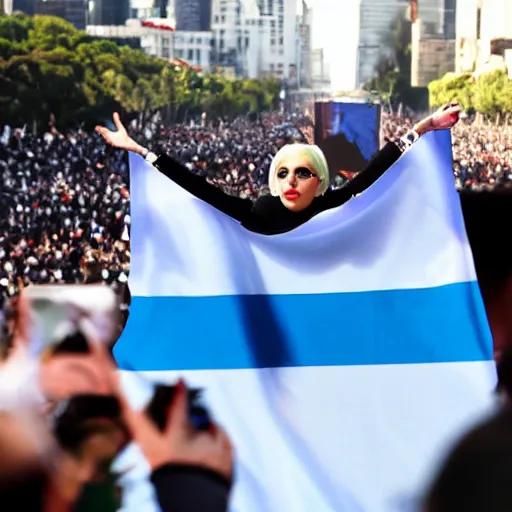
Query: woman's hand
444, 118
120, 139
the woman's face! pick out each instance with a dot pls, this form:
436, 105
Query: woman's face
297, 182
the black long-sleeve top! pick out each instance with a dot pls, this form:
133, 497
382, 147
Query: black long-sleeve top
181, 488
268, 215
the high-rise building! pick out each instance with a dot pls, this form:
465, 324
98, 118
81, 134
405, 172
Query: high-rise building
305, 47
162, 8
437, 18
483, 29
26, 6
73, 11
449, 19
107, 12
257, 37
193, 15
496, 29
142, 9
433, 41
376, 18
468, 30
228, 35
433, 34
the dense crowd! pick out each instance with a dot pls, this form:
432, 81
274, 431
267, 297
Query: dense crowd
63, 210
64, 214
68, 437
482, 151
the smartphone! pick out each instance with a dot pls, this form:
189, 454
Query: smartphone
162, 398
59, 313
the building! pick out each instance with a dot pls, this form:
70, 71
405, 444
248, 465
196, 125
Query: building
431, 58
287, 36
107, 12
508, 62
194, 47
483, 29
143, 9
433, 45
255, 38
468, 28
26, 6
193, 15
229, 41
261, 57
496, 26
437, 18
158, 39
74, 11
320, 72
376, 17
305, 24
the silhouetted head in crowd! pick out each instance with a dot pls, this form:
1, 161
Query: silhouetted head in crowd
477, 474
24, 472
504, 366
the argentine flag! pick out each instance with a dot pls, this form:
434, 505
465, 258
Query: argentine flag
342, 358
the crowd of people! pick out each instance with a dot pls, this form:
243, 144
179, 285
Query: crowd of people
482, 151
63, 210
64, 213
64, 218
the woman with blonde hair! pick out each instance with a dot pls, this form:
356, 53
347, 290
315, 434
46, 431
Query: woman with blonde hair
298, 177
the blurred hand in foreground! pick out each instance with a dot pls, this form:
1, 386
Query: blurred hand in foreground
180, 443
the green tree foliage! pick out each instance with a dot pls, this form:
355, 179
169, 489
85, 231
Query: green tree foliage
451, 87
49, 67
490, 94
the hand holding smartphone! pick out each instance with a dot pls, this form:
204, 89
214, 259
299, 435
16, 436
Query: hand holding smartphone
52, 314
163, 396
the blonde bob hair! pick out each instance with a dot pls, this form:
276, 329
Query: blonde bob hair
316, 159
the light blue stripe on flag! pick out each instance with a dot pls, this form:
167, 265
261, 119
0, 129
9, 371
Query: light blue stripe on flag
269, 331
341, 357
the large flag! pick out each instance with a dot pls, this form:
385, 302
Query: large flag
342, 357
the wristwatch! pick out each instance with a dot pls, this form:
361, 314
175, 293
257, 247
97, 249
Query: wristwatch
151, 157
408, 140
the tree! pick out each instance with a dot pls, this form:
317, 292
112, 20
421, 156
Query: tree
450, 88
15, 28
48, 67
490, 94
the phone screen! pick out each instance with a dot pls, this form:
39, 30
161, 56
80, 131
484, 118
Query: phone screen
56, 313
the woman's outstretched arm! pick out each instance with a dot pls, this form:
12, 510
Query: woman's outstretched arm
444, 118
237, 208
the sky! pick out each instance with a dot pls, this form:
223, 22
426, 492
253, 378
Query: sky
335, 29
